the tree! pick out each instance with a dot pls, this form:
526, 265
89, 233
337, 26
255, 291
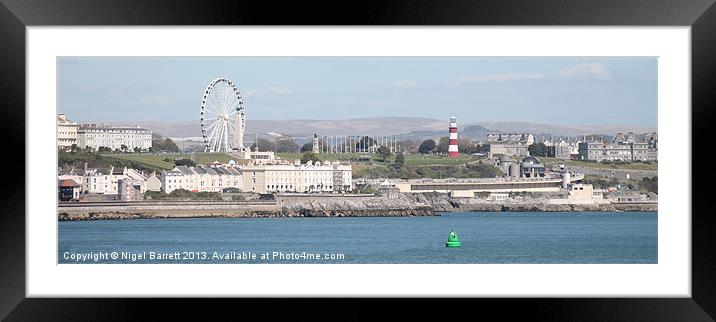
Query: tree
124, 148
466, 146
308, 147
309, 156
538, 149
364, 143
384, 153
286, 145
443, 145
409, 146
399, 160
481, 170
185, 162
264, 145
74, 148
650, 184
181, 194
165, 145
137, 150
427, 146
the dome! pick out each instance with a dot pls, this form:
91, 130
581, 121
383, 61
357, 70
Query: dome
530, 160
232, 162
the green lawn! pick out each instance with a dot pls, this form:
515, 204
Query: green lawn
419, 159
158, 159
151, 160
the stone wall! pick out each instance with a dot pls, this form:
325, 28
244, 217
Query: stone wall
416, 204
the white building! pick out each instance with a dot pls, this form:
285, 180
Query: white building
96, 180
113, 137
279, 176
255, 157
106, 180
199, 179
513, 144
154, 183
66, 132
297, 177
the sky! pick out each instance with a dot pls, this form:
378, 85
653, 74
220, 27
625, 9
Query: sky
563, 91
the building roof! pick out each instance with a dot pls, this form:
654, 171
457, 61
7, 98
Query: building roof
532, 165
530, 160
67, 183
102, 171
220, 170
105, 127
72, 171
185, 170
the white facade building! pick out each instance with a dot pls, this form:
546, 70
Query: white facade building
66, 132
105, 180
113, 137
200, 179
297, 177
261, 178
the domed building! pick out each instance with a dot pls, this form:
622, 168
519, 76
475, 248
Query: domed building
531, 168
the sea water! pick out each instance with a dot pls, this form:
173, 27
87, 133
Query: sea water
487, 237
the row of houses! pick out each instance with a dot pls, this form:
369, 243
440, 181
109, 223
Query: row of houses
627, 147
262, 177
122, 182
517, 144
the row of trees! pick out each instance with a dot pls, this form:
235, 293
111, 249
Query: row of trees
538, 149
162, 144
103, 149
281, 145
287, 145
465, 146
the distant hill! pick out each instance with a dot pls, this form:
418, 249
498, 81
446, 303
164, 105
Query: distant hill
539, 130
306, 128
402, 127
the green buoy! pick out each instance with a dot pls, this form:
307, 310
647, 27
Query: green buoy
453, 240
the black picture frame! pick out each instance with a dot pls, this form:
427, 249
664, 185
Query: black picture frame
700, 15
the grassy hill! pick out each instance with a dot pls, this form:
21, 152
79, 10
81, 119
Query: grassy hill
415, 166
147, 161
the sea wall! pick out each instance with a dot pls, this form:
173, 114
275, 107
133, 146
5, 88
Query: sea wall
424, 204
352, 206
443, 203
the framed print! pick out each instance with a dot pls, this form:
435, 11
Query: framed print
464, 151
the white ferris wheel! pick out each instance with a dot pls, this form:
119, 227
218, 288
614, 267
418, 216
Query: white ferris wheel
222, 117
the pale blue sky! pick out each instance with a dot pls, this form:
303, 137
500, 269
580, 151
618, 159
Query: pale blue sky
598, 91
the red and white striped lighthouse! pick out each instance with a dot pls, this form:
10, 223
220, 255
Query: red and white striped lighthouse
452, 148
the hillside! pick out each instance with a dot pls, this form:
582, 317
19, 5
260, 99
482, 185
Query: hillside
404, 127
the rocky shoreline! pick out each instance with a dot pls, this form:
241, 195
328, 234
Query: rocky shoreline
372, 206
